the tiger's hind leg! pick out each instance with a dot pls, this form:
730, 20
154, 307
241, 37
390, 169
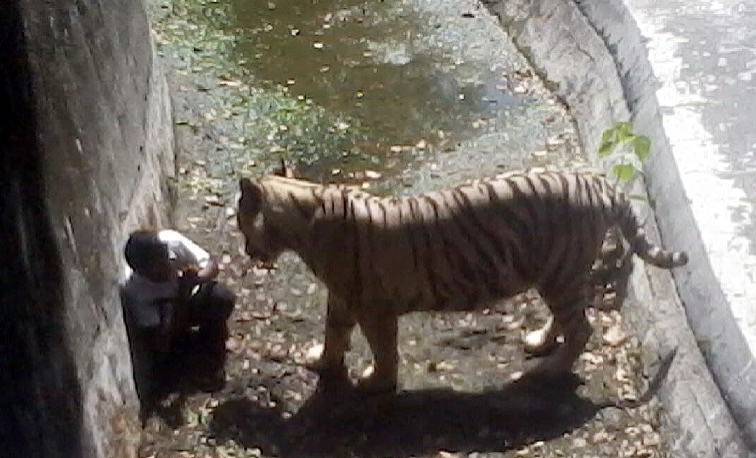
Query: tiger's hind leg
380, 329
611, 272
544, 340
339, 325
569, 316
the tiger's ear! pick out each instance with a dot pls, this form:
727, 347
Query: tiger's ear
251, 196
285, 171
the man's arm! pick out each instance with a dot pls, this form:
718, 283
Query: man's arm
192, 276
195, 264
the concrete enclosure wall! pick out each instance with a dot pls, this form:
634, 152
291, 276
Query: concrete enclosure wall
594, 56
87, 142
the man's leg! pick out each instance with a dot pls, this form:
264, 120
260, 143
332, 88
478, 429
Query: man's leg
209, 309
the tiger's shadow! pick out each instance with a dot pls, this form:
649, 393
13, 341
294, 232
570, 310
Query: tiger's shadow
412, 422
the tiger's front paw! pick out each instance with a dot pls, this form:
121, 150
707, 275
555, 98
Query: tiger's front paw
374, 384
542, 341
331, 378
539, 342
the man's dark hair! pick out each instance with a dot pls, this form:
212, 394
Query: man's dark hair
144, 248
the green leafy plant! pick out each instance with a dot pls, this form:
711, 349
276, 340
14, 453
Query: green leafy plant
616, 141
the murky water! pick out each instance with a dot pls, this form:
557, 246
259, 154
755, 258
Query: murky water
429, 89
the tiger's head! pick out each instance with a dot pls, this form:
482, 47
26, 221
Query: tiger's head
263, 242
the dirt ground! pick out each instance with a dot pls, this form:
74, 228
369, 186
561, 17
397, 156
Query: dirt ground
460, 395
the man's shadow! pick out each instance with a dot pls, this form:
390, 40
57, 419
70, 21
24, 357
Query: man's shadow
412, 422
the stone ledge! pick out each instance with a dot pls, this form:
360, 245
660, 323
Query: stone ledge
686, 174
604, 82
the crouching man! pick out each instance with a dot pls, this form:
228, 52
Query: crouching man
170, 297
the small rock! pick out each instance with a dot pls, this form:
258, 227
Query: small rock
311, 288
317, 45
313, 353
615, 336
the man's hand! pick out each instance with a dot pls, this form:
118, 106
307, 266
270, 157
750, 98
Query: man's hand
209, 273
190, 273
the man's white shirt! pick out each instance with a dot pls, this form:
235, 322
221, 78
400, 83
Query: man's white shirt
142, 295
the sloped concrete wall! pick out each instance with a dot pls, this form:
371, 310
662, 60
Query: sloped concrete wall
87, 149
602, 86
699, 54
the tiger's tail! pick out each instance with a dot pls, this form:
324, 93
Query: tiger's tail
641, 245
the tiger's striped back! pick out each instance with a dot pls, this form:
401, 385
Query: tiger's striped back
458, 248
